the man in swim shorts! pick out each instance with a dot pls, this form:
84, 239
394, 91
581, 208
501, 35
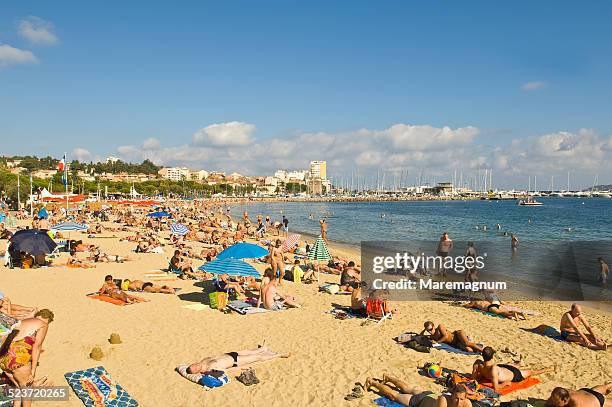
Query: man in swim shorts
234, 360
148, 287
500, 375
570, 321
585, 397
457, 339
413, 396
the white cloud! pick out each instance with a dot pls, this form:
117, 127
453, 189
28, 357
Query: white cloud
12, 56
81, 154
151, 144
434, 151
37, 31
224, 134
535, 85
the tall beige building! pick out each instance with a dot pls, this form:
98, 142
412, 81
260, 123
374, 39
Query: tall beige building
318, 169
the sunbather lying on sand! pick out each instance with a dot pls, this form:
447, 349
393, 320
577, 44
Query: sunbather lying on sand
457, 339
233, 361
14, 310
413, 396
585, 397
109, 288
501, 375
496, 308
570, 321
148, 287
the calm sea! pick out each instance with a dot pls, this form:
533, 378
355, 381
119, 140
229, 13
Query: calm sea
559, 219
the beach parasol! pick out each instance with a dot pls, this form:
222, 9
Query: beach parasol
69, 227
290, 242
242, 251
179, 229
159, 214
229, 266
42, 213
32, 241
319, 251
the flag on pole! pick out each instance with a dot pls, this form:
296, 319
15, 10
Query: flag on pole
61, 167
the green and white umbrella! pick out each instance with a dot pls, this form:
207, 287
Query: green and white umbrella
319, 251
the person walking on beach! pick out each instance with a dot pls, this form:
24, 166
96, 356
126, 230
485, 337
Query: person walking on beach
285, 226
445, 245
323, 229
604, 270
514, 242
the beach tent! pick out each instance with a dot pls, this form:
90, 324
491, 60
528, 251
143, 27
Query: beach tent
242, 251
232, 267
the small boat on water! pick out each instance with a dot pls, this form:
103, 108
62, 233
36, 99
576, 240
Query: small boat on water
529, 202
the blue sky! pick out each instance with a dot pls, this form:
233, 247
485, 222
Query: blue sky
119, 73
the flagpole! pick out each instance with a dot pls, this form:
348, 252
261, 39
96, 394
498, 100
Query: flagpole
18, 193
31, 198
66, 181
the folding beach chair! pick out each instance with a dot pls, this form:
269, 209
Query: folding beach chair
377, 310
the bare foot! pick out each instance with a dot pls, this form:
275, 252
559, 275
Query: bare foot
368, 383
385, 378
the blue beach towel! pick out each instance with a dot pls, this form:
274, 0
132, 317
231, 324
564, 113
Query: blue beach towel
96, 384
385, 402
488, 313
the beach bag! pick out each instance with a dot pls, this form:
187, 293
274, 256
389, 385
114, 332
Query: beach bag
331, 288
218, 300
215, 378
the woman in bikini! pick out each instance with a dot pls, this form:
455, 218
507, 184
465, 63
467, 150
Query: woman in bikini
21, 349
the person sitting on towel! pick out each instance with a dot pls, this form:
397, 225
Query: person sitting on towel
110, 289
501, 375
224, 284
570, 321
234, 360
274, 300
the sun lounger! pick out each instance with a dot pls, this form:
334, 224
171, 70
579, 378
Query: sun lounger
377, 310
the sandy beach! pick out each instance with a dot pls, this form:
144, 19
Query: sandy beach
328, 355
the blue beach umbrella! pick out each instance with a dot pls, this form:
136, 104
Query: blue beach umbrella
179, 229
231, 267
242, 251
42, 213
159, 214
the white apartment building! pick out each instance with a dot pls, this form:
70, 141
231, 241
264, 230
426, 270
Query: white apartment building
318, 169
174, 173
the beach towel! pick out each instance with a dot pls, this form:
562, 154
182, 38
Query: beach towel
514, 386
487, 313
96, 388
106, 298
207, 381
244, 308
385, 402
451, 349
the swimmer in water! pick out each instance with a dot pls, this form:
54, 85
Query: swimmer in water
498, 226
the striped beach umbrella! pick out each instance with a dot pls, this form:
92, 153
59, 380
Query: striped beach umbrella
179, 229
69, 226
319, 251
290, 242
232, 267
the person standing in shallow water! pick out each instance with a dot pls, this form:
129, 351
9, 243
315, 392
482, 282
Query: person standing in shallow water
323, 229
